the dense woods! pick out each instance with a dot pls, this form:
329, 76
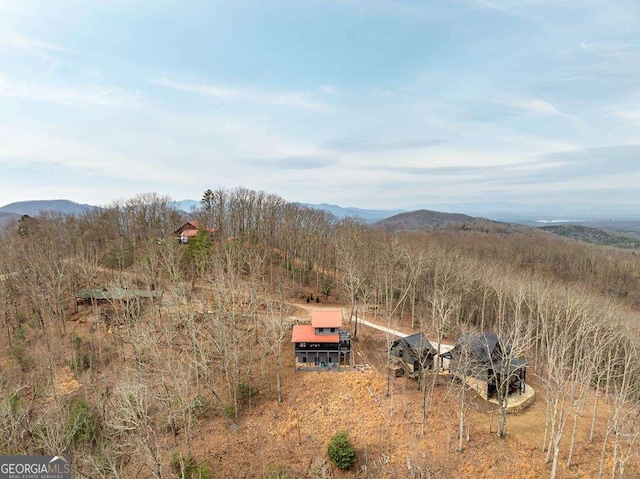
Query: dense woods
126, 388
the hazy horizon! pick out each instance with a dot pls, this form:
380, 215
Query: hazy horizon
524, 213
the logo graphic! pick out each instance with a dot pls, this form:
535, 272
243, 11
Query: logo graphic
35, 467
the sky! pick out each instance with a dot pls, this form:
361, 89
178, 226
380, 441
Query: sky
367, 103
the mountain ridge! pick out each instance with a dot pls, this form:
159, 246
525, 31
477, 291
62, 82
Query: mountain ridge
425, 220
491, 213
598, 236
35, 207
368, 215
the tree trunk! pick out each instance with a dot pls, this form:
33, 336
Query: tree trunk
595, 411
603, 454
462, 418
554, 465
573, 438
278, 373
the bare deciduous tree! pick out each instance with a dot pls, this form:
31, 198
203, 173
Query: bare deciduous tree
132, 426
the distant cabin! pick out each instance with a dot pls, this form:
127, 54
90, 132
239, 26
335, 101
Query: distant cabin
190, 229
483, 361
322, 345
410, 355
99, 296
116, 305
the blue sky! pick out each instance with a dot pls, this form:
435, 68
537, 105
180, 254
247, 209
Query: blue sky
369, 103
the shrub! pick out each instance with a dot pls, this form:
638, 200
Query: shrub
81, 359
230, 411
188, 467
85, 353
201, 407
341, 452
247, 391
120, 255
327, 286
19, 351
83, 425
19, 334
22, 357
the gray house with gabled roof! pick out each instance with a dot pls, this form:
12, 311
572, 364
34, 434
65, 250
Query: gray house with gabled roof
485, 361
410, 355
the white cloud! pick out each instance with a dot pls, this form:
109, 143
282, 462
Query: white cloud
610, 49
627, 114
101, 95
206, 90
520, 9
34, 150
526, 144
329, 89
537, 106
28, 45
306, 100
409, 8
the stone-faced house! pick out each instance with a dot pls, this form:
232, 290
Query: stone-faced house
483, 361
321, 345
411, 354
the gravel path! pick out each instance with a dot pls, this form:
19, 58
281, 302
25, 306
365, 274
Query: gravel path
443, 347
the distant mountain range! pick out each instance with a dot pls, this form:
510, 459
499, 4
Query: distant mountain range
369, 216
529, 214
608, 230
526, 213
68, 207
32, 208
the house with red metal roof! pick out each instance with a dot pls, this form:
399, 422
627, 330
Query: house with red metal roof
190, 229
321, 345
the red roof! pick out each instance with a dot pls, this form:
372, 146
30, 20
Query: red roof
305, 333
190, 229
189, 233
328, 318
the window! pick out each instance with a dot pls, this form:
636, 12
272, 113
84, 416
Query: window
320, 330
333, 330
302, 345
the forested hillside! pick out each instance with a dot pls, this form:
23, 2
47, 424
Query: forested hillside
425, 220
180, 387
595, 235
